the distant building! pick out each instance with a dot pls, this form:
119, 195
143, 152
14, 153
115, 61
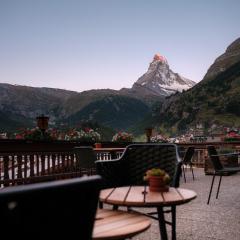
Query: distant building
233, 134
3, 135
216, 137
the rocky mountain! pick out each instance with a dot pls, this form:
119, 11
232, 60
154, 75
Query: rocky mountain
10, 121
20, 105
226, 60
81, 100
29, 102
161, 80
215, 100
109, 107
115, 109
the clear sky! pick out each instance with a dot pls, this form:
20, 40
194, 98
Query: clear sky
80, 45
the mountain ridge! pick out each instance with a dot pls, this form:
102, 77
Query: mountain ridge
71, 107
214, 100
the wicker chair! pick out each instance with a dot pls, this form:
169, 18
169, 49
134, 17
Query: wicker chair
187, 160
130, 168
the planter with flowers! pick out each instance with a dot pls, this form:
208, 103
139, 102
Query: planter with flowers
36, 134
158, 139
158, 180
98, 145
122, 137
83, 135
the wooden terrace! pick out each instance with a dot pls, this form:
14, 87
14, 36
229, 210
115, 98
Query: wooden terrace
24, 162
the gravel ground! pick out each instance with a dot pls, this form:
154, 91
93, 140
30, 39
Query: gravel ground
220, 220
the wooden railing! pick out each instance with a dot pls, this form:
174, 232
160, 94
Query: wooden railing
105, 154
27, 167
201, 154
23, 162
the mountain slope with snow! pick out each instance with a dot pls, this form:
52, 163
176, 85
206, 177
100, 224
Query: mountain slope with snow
213, 101
161, 80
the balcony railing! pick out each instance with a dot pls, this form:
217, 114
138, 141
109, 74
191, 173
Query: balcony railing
23, 162
201, 155
27, 167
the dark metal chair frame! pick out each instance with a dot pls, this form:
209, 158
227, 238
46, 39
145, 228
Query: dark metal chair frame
219, 169
187, 160
130, 168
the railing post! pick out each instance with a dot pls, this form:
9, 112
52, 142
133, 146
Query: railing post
53, 162
6, 169
31, 165
19, 167
12, 167
37, 164
72, 162
63, 166
26, 158
48, 163
42, 156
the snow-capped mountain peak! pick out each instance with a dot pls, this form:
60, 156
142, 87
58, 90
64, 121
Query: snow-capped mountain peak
158, 57
161, 79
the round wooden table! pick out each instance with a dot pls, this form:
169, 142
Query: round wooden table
140, 196
113, 224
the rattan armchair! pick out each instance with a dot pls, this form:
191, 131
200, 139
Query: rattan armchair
130, 168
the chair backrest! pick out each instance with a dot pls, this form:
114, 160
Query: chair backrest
53, 210
214, 159
188, 155
138, 158
85, 156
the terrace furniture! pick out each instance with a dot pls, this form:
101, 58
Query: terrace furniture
85, 158
140, 196
53, 210
219, 169
187, 161
129, 169
115, 224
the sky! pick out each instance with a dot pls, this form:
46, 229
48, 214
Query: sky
81, 45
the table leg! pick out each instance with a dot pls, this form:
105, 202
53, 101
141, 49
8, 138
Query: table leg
173, 222
162, 224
